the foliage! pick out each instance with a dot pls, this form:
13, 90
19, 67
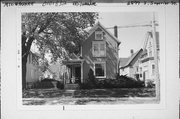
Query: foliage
47, 83
90, 82
120, 82
60, 85
57, 33
52, 31
150, 84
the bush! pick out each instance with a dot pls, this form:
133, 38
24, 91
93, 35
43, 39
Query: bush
60, 85
150, 84
48, 83
119, 82
89, 83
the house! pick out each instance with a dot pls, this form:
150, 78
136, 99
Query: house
55, 70
33, 72
99, 53
130, 66
147, 62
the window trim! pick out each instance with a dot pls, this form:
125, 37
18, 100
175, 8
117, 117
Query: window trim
153, 70
104, 69
98, 42
98, 32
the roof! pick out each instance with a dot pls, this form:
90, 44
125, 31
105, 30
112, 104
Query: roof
149, 33
125, 62
144, 52
73, 58
97, 25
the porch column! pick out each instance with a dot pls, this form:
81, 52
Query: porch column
81, 72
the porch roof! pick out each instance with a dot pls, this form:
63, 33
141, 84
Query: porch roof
73, 59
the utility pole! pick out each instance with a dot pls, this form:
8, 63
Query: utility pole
157, 84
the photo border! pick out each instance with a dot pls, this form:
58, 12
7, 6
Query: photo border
100, 8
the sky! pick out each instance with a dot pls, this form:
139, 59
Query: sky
133, 37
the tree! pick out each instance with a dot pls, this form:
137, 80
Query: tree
59, 33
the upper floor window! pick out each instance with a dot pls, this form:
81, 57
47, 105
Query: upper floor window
150, 52
153, 69
99, 49
98, 35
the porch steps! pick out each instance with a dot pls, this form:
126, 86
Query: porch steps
71, 86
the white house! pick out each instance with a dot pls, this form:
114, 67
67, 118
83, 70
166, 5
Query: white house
130, 66
147, 63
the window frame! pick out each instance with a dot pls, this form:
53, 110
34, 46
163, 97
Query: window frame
99, 44
153, 69
99, 32
104, 63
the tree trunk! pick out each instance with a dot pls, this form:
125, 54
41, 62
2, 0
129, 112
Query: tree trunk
25, 52
23, 75
24, 62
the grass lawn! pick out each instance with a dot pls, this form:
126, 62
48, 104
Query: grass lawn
93, 96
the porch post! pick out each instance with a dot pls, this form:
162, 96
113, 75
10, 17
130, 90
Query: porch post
81, 72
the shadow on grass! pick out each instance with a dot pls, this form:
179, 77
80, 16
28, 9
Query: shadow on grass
35, 102
92, 93
138, 92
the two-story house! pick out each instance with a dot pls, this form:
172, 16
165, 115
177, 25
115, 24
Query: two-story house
99, 53
147, 62
130, 66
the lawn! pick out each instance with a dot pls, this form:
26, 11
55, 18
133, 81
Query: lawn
83, 97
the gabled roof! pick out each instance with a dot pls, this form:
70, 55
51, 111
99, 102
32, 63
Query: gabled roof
99, 25
149, 34
125, 62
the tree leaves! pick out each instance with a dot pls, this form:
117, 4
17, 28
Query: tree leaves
56, 31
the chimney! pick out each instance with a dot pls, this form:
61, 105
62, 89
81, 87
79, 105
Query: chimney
132, 52
115, 31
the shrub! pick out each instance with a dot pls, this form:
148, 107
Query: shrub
150, 84
60, 85
90, 82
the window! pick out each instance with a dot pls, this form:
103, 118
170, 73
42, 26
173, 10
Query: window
140, 72
98, 35
100, 70
137, 69
99, 49
153, 69
150, 52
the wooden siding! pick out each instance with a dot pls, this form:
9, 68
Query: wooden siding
111, 58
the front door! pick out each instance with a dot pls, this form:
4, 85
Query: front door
77, 74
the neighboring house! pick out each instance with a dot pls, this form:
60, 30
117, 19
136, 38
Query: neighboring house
55, 70
130, 66
99, 53
33, 72
147, 63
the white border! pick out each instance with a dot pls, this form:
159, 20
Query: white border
99, 8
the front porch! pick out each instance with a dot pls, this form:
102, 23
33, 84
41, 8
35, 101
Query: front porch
74, 72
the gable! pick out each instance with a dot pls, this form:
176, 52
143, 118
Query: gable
130, 61
149, 38
100, 27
